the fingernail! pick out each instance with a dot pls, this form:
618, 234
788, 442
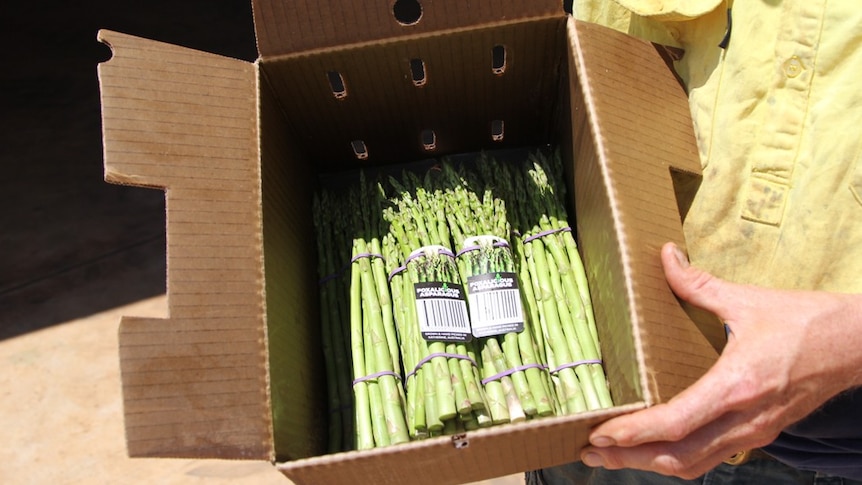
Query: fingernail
593, 459
681, 257
602, 441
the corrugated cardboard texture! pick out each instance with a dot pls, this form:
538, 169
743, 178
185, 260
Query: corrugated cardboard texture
297, 384
630, 124
477, 455
239, 162
194, 383
639, 121
287, 27
459, 99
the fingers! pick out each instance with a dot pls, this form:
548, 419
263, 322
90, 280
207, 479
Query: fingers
725, 411
694, 285
689, 458
664, 458
692, 432
703, 402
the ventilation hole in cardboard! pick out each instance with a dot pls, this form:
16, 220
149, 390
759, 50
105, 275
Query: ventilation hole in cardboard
407, 12
359, 149
417, 71
498, 59
429, 140
336, 84
497, 130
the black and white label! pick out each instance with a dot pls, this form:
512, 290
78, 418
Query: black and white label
495, 304
442, 312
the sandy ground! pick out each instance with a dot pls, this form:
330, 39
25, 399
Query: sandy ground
61, 412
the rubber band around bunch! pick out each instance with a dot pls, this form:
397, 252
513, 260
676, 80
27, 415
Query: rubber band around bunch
549, 232
330, 277
575, 364
371, 377
508, 372
420, 253
449, 355
472, 244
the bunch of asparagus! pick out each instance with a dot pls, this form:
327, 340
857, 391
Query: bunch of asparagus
513, 372
467, 298
360, 344
443, 387
551, 265
334, 245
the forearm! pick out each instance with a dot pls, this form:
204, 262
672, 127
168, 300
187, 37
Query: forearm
838, 333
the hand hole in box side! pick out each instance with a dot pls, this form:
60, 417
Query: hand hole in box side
359, 149
498, 59
429, 140
685, 186
336, 84
497, 128
407, 12
417, 72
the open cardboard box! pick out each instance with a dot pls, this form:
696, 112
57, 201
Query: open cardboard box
235, 370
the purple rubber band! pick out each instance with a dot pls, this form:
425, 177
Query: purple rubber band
546, 233
441, 354
446, 252
337, 274
328, 278
509, 372
396, 271
498, 244
376, 375
413, 256
575, 364
366, 255
421, 254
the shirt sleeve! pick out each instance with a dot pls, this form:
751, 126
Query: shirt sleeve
652, 20
669, 10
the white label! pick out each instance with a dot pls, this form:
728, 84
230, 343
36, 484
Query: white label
442, 312
495, 304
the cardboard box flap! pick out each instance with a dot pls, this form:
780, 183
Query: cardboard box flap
463, 458
647, 165
194, 383
287, 27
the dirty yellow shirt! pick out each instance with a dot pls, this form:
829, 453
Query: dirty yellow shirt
778, 120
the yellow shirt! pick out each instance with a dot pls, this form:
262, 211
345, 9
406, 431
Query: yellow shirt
778, 119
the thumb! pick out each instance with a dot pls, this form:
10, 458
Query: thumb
692, 284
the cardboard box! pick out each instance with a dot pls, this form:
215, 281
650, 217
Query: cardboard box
235, 370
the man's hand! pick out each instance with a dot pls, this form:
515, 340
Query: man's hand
787, 353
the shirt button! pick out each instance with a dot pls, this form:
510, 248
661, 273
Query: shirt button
793, 67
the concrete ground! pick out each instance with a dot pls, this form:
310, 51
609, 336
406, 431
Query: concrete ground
77, 253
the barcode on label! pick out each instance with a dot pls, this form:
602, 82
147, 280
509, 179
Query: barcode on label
495, 304
442, 312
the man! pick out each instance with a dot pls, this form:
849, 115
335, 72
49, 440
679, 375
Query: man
775, 241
